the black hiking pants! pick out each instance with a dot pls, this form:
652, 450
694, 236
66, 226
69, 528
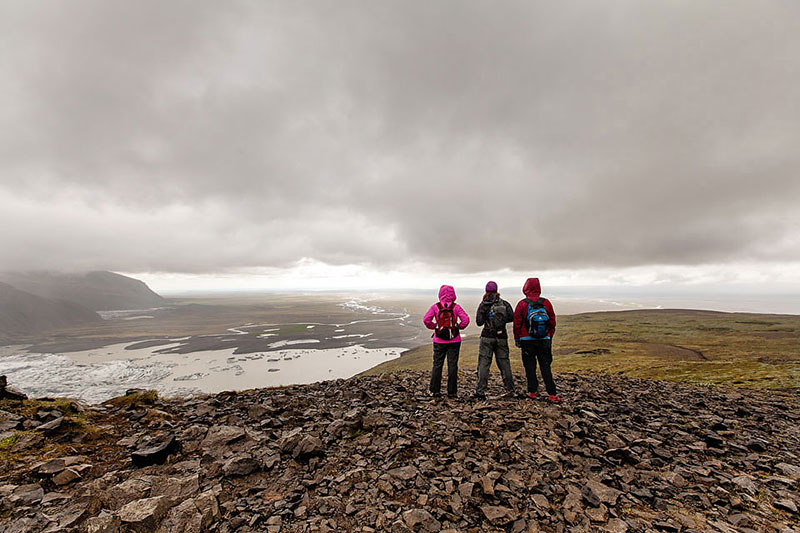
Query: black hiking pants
541, 351
442, 351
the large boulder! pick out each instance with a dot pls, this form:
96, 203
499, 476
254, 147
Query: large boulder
156, 453
144, 515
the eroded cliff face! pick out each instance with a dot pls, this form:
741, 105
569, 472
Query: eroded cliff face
375, 453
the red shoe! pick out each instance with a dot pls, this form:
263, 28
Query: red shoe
532, 395
555, 399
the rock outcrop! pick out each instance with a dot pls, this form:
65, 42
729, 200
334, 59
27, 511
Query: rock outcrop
376, 454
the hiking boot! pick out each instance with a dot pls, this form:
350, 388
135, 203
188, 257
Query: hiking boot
452, 396
532, 395
555, 399
479, 397
435, 394
510, 396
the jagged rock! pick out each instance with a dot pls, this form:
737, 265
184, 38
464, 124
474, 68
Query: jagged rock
184, 517
175, 489
143, 515
157, 453
9, 393
54, 497
406, 473
73, 515
596, 493
619, 456
123, 493
53, 425
615, 525
66, 476
790, 471
52, 467
9, 421
240, 465
745, 483
421, 520
27, 494
105, 522
221, 436
786, 505
498, 515
309, 446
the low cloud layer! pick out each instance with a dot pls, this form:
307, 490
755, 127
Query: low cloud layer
206, 136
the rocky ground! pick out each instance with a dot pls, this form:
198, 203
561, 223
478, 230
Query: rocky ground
376, 454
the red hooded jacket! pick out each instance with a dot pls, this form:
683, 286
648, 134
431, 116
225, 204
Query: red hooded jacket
532, 290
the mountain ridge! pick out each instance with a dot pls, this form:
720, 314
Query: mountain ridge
23, 313
97, 290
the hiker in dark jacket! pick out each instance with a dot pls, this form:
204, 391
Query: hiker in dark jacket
493, 314
536, 345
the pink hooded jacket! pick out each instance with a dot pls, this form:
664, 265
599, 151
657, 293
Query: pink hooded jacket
447, 296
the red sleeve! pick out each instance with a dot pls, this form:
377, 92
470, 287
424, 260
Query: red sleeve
551, 323
519, 312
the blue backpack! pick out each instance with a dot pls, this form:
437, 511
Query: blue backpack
537, 318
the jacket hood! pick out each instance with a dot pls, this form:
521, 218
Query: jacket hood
447, 294
532, 289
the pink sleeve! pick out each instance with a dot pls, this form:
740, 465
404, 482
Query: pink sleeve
428, 318
463, 317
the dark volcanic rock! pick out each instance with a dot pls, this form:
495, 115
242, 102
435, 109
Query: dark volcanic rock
8, 393
376, 454
156, 453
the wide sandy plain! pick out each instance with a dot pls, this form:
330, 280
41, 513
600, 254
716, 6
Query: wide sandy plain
214, 342
217, 342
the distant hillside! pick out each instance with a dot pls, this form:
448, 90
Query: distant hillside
22, 313
99, 291
747, 349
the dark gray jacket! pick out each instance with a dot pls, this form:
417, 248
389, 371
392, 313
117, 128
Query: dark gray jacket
482, 317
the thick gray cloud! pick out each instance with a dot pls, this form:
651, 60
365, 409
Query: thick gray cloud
195, 136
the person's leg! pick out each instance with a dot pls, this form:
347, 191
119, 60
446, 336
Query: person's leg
529, 362
484, 361
504, 364
453, 350
545, 356
439, 352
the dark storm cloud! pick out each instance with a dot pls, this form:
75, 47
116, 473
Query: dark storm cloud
200, 136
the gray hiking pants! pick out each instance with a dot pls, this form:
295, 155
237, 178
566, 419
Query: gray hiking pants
499, 347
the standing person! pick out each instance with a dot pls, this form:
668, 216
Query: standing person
534, 327
493, 314
446, 318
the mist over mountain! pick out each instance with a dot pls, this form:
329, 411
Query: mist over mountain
22, 313
98, 291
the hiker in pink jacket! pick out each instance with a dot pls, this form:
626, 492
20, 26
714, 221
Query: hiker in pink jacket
446, 318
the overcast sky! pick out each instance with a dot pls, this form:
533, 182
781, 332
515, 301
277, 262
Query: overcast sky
373, 139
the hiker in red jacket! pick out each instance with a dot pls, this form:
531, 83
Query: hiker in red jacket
446, 318
534, 327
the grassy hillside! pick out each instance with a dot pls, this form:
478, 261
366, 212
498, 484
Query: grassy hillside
752, 350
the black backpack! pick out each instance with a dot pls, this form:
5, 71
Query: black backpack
497, 317
536, 321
